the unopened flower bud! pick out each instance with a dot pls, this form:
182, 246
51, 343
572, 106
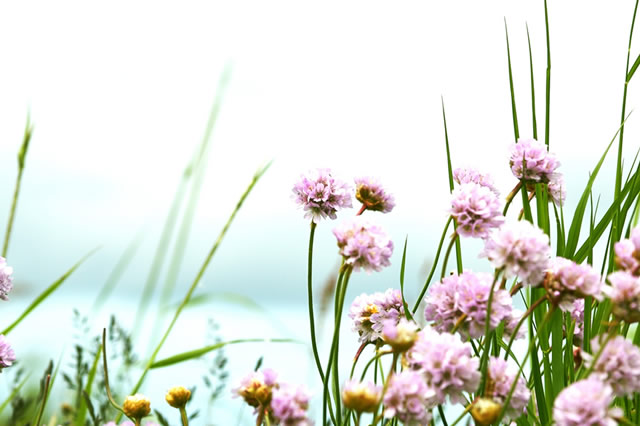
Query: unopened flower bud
400, 336
136, 406
485, 411
178, 396
361, 397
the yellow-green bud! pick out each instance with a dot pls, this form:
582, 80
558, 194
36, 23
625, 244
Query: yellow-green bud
361, 397
485, 411
136, 406
178, 396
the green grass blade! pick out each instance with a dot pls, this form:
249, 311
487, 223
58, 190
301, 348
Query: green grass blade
557, 356
14, 392
407, 312
22, 155
199, 276
514, 113
82, 412
576, 223
116, 273
633, 69
533, 89
548, 85
197, 353
450, 173
49, 290
200, 166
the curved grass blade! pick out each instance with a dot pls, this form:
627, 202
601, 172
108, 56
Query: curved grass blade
14, 392
53, 287
203, 268
84, 406
514, 112
576, 223
450, 171
22, 155
116, 273
548, 85
197, 353
407, 312
533, 89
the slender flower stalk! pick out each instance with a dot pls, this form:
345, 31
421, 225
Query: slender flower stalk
312, 324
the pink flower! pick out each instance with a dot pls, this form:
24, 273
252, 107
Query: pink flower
409, 399
468, 175
371, 194
364, 244
625, 295
586, 402
476, 210
618, 364
569, 281
321, 195
530, 161
501, 377
521, 249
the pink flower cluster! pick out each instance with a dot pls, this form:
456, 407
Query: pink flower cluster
531, 161
624, 293
371, 194
321, 195
586, 402
467, 294
446, 364
464, 175
521, 249
627, 253
618, 364
6, 280
364, 244
409, 399
370, 312
501, 377
569, 281
287, 404
476, 210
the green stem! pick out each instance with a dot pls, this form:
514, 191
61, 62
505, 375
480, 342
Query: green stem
44, 399
505, 404
326, 402
28, 131
487, 330
183, 416
464, 413
510, 197
433, 266
106, 374
312, 324
520, 322
454, 237
197, 279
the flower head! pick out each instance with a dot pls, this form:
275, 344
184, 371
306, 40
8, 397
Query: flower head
364, 244
627, 253
409, 399
556, 188
476, 210
370, 312
6, 280
464, 175
446, 363
400, 335
577, 314
466, 294
361, 397
530, 161
7, 356
625, 295
522, 249
289, 405
178, 396
372, 195
500, 379
485, 411
618, 364
585, 402
568, 281
256, 387
321, 195
136, 406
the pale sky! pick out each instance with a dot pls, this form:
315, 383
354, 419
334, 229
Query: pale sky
120, 94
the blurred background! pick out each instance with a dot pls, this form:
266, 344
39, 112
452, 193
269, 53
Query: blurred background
120, 95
